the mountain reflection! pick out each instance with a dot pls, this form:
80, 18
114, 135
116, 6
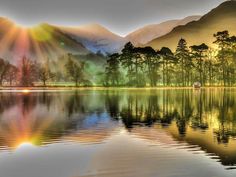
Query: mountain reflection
205, 118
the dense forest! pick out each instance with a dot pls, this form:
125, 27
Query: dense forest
134, 67
143, 66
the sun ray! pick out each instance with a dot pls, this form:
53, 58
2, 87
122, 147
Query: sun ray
22, 44
8, 40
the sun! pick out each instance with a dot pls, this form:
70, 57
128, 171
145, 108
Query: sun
25, 145
26, 91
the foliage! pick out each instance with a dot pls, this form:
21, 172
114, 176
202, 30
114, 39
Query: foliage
144, 66
112, 70
75, 70
134, 66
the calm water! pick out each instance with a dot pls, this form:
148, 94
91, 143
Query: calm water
119, 133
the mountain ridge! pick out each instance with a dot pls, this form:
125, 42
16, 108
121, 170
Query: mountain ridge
221, 18
150, 32
96, 37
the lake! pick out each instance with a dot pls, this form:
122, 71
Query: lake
118, 133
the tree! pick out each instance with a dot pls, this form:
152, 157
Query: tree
139, 62
28, 72
112, 69
232, 41
167, 60
126, 59
183, 56
211, 66
11, 74
224, 54
199, 53
75, 70
152, 61
45, 74
4, 66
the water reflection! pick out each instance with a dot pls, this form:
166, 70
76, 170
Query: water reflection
205, 119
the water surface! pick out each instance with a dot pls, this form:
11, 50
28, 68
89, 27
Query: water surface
118, 133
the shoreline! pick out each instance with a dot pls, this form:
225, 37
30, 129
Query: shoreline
66, 88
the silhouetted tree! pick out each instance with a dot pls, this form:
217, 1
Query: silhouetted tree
199, 54
185, 61
167, 60
225, 58
112, 69
126, 59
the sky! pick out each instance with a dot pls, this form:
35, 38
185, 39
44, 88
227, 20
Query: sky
119, 16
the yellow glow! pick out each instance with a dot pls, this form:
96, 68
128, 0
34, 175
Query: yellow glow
41, 33
25, 144
26, 91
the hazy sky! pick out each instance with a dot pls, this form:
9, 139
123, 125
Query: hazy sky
120, 16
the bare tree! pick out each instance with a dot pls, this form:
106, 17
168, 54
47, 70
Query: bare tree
4, 65
28, 72
11, 74
45, 74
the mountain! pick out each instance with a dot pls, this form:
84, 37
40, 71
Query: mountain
39, 42
221, 18
150, 32
96, 38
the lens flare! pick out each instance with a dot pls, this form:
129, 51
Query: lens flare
26, 91
25, 145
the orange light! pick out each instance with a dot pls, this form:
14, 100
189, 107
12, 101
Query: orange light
25, 91
25, 144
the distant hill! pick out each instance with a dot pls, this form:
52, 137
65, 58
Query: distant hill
50, 41
96, 38
221, 18
150, 32
39, 42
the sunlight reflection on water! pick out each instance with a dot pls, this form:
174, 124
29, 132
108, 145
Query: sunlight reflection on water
118, 133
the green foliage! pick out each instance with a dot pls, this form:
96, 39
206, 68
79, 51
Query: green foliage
75, 70
199, 55
185, 62
167, 60
112, 70
134, 66
226, 57
144, 66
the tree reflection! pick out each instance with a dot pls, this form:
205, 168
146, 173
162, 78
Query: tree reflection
140, 111
206, 117
226, 128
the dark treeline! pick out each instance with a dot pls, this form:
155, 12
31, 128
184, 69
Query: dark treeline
143, 66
